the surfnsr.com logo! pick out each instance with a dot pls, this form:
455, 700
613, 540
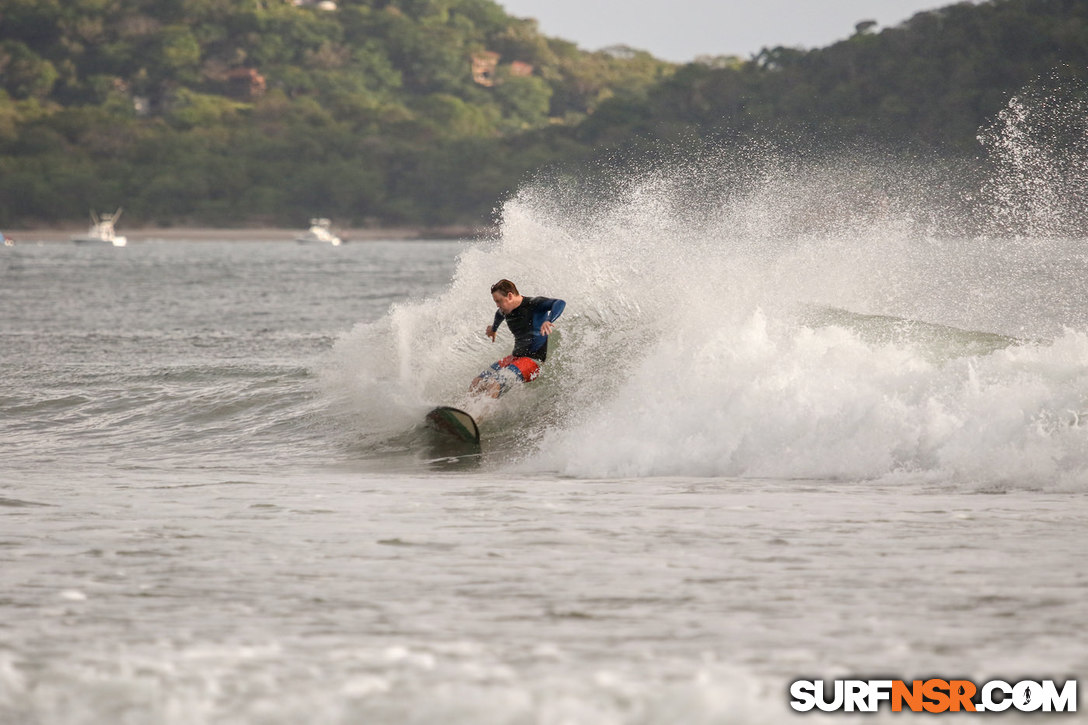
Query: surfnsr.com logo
933, 696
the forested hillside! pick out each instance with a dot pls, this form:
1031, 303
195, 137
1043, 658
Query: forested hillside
928, 83
236, 112
243, 111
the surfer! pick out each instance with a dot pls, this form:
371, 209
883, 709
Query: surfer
531, 319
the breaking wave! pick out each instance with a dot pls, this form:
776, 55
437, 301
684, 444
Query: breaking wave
752, 316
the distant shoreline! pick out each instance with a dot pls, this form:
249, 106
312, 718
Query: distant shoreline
255, 234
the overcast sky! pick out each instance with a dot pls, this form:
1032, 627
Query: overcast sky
680, 30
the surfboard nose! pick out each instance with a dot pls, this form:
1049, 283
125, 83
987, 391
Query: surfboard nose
455, 423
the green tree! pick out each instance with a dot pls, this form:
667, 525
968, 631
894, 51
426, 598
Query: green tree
524, 99
24, 74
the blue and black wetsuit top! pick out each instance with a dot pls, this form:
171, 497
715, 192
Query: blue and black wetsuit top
525, 321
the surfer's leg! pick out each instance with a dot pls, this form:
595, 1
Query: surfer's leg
485, 385
501, 377
496, 380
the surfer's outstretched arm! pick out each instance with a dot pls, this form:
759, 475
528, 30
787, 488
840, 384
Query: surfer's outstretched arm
549, 310
554, 308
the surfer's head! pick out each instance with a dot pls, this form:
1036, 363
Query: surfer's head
505, 287
506, 296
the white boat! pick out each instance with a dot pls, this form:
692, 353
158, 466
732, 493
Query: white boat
101, 231
320, 232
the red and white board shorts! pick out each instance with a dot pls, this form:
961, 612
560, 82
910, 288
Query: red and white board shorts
512, 370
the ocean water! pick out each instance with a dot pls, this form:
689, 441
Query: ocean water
815, 425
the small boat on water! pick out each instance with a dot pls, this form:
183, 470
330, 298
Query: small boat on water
320, 232
101, 231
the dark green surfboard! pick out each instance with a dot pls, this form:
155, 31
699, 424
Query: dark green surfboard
453, 433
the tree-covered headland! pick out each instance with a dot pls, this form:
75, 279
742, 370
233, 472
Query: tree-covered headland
426, 112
